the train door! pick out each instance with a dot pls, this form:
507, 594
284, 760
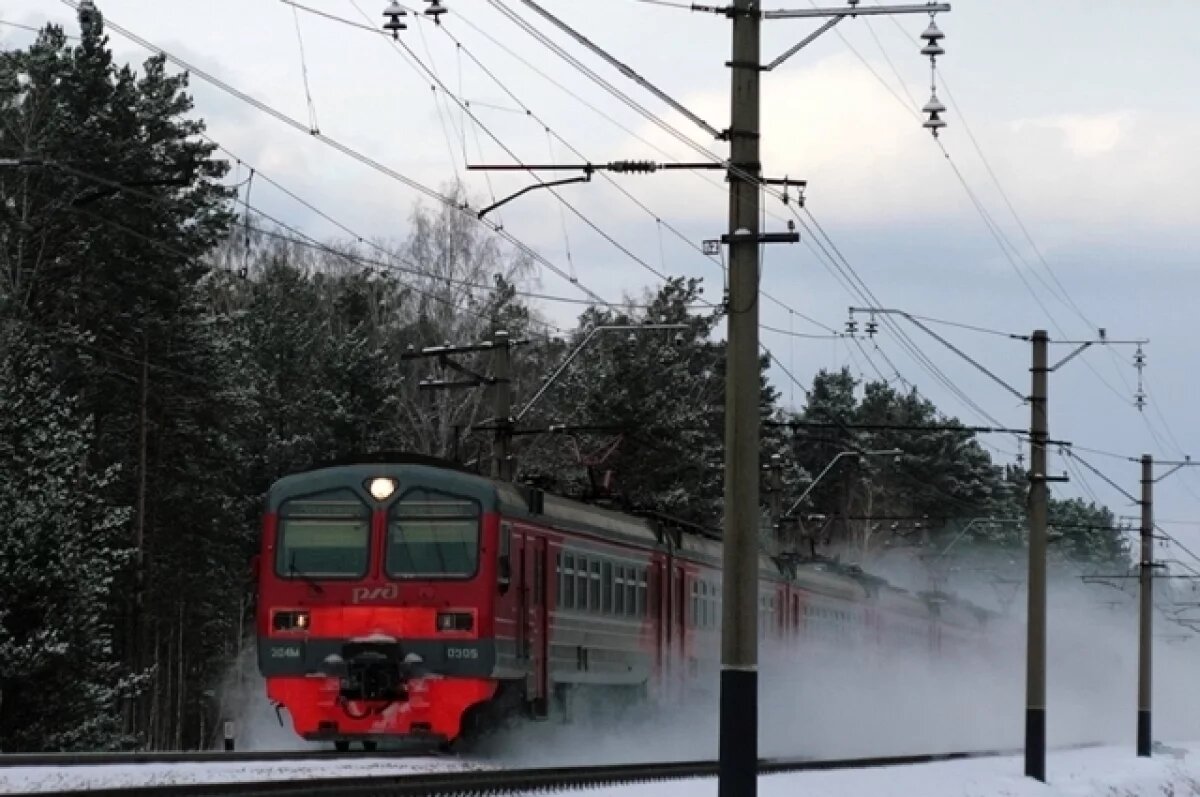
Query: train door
535, 622
518, 545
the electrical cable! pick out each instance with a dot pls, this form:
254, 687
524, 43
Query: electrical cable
347, 151
312, 242
553, 191
562, 140
312, 108
1057, 289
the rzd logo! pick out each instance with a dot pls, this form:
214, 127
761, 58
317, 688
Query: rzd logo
372, 594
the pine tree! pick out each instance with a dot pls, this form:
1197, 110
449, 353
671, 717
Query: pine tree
112, 222
61, 544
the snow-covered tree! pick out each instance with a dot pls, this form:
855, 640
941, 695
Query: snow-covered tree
61, 545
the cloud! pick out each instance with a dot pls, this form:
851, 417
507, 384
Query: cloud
1071, 176
1086, 136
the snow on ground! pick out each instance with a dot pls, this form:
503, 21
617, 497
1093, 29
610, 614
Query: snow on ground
1099, 772
24, 780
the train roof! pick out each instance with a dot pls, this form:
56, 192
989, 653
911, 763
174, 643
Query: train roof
821, 576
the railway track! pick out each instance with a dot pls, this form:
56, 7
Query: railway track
487, 782
197, 757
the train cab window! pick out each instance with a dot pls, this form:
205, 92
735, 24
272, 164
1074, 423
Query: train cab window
326, 535
433, 535
606, 587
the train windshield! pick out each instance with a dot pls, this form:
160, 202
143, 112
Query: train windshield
433, 535
324, 536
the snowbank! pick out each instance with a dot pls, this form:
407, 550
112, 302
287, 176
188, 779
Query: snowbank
1098, 772
20, 780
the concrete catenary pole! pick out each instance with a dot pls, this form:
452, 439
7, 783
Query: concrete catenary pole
738, 743
1035, 674
1146, 609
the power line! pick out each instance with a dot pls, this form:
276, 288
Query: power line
32, 29
624, 128
1081, 479
359, 238
860, 288
650, 116
627, 71
1101, 452
557, 195
970, 327
165, 247
913, 350
1058, 289
349, 152
550, 131
390, 172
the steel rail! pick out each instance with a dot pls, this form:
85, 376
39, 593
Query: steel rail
486, 783
199, 757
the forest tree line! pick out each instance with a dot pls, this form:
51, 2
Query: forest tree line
164, 357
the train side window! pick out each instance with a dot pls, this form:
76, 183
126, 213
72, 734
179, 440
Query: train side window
619, 591
594, 586
568, 582
558, 579
631, 591
606, 587
642, 592
581, 583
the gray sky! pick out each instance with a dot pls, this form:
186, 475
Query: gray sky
1085, 111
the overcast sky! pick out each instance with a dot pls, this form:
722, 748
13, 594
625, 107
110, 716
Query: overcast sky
1085, 111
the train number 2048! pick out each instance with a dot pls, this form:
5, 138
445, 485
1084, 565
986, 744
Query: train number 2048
462, 653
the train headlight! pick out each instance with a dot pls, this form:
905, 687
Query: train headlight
381, 489
292, 621
455, 621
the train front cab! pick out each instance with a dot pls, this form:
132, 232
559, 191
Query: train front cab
375, 610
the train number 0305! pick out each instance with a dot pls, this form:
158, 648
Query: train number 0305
462, 653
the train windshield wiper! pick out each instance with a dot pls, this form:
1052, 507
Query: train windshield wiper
307, 579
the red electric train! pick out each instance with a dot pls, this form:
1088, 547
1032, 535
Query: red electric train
408, 599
